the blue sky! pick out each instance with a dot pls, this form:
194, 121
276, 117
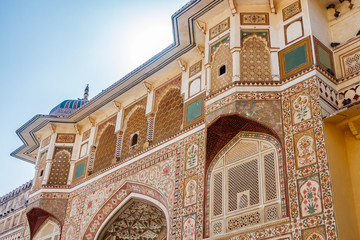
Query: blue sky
50, 50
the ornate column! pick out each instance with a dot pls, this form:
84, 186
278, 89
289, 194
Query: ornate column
150, 128
91, 159
208, 78
235, 52
119, 140
47, 171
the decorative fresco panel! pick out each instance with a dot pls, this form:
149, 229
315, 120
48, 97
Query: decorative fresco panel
317, 233
264, 33
254, 18
295, 58
324, 56
219, 28
86, 135
310, 196
291, 10
65, 138
189, 228
293, 30
192, 153
194, 110
80, 170
195, 68
301, 109
84, 149
46, 142
305, 148
190, 190
214, 46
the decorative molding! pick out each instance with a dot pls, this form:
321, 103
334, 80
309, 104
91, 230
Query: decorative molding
77, 128
148, 86
117, 104
201, 25
219, 28
232, 5
91, 121
182, 65
291, 10
52, 128
254, 18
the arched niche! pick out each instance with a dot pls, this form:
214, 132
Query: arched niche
49, 230
40, 224
139, 217
224, 134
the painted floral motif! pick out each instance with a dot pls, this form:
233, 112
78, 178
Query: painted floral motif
305, 148
160, 176
189, 229
74, 207
192, 156
310, 198
190, 192
301, 107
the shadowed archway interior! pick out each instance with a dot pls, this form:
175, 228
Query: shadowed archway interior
225, 128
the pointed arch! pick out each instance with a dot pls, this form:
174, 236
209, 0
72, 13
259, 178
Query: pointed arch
128, 191
37, 218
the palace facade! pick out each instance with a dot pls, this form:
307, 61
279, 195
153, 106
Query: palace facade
246, 127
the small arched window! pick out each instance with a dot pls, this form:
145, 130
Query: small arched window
222, 70
245, 186
134, 139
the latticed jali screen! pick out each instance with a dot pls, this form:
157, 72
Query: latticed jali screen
245, 187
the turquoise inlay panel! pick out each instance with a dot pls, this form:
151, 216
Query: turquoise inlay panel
79, 171
324, 57
295, 58
194, 110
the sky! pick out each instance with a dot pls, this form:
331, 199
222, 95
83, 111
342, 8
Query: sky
50, 50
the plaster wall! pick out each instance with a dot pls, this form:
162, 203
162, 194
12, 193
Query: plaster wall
341, 151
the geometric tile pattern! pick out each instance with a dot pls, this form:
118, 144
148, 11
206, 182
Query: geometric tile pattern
169, 115
255, 60
60, 167
105, 150
220, 58
135, 121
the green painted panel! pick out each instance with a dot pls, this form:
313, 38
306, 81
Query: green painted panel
249, 33
324, 57
79, 171
213, 47
295, 58
194, 110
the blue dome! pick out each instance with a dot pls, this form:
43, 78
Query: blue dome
67, 107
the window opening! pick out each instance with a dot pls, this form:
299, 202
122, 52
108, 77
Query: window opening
134, 139
222, 70
245, 186
41, 172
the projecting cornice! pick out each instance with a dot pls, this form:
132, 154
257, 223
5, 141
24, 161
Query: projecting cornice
183, 22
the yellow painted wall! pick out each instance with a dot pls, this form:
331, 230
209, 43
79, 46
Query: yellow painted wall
344, 162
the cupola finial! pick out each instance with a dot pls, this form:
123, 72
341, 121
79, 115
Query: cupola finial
86, 92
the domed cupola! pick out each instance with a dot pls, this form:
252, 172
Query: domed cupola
67, 107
